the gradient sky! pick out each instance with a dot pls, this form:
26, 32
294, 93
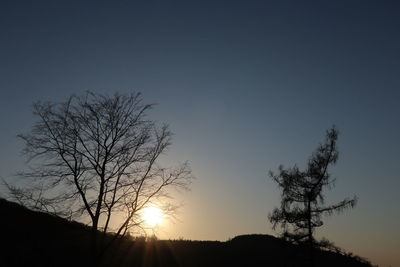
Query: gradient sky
244, 85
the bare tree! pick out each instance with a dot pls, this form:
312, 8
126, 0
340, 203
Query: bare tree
303, 200
97, 156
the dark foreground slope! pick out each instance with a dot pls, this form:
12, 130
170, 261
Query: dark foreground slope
37, 239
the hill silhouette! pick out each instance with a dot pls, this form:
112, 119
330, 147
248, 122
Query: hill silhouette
31, 238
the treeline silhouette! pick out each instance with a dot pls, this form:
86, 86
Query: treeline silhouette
31, 238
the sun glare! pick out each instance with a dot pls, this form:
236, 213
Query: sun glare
152, 216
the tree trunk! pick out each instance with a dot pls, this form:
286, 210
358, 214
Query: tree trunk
310, 236
94, 245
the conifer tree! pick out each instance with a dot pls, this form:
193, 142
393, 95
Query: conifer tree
302, 192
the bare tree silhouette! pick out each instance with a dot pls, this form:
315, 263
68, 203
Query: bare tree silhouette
97, 155
303, 200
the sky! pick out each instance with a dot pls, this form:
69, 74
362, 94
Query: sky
244, 85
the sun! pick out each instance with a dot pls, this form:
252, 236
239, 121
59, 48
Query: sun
152, 216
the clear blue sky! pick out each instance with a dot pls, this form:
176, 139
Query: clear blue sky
244, 85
